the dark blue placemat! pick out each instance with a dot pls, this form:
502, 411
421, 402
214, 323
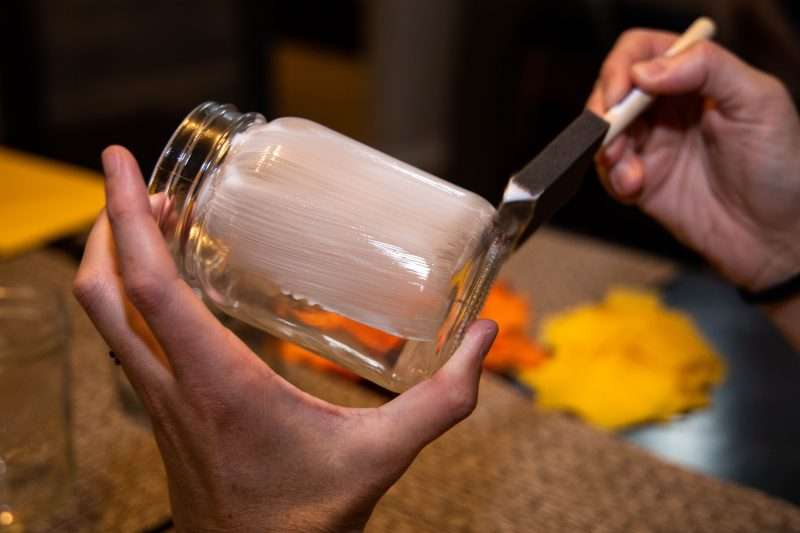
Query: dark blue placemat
751, 432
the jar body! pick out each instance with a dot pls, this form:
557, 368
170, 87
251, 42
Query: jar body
320, 240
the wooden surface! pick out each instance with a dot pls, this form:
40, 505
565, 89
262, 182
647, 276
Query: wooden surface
506, 468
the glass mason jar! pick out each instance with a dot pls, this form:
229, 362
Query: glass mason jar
323, 241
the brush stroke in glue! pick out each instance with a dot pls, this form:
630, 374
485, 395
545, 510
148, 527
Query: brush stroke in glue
342, 226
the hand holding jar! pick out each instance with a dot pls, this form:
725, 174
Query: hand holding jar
244, 449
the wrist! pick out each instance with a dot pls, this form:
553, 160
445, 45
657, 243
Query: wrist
781, 302
756, 257
786, 317
778, 293
780, 264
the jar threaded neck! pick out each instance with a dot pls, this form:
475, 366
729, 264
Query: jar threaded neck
195, 151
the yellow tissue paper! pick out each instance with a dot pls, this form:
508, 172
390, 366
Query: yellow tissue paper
43, 200
624, 361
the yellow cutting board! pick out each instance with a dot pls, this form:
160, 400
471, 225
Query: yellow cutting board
41, 200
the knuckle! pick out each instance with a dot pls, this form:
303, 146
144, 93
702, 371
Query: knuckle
705, 52
631, 34
146, 291
119, 212
608, 68
629, 38
88, 289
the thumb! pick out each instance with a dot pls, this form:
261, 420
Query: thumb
425, 411
706, 69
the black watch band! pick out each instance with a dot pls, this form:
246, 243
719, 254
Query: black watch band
775, 294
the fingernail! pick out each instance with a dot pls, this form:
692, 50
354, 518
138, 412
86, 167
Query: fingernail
488, 334
110, 160
650, 69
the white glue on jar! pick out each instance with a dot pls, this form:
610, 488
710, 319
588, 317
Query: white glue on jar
323, 241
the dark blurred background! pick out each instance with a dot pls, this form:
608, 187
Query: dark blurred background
468, 90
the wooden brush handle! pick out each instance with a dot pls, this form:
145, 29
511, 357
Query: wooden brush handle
621, 115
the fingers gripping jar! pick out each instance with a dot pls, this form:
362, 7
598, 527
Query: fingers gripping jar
323, 241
